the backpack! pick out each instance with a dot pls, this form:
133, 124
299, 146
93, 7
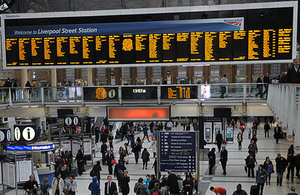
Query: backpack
137, 188
155, 193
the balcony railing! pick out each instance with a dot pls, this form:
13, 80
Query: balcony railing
205, 92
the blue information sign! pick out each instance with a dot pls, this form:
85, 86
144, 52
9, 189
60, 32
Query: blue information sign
178, 151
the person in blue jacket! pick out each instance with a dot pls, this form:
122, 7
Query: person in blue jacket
94, 186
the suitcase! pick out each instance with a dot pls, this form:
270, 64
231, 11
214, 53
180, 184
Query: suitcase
254, 190
75, 171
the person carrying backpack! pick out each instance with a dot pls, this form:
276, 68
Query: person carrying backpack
139, 187
156, 190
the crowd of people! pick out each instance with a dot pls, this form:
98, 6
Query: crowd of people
265, 170
153, 184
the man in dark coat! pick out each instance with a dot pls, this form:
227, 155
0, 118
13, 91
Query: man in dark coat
291, 166
211, 160
125, 183
109, 156
110, 187
259, 87
277, 133
188, 186
103, 151
224, 159
266, 80
293, 74
80, 160
267, 129
281, 164
173, 183
153, 181
219, 140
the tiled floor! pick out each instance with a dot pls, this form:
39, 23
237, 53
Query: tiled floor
235, 169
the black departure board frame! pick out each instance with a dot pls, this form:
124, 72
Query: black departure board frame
259, 41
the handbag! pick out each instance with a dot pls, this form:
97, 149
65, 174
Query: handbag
113, 161
245, 168
92, 173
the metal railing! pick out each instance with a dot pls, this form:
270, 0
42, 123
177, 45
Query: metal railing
205, 92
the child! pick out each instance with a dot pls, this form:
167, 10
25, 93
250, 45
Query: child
45, 186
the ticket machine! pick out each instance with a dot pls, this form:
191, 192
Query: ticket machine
208, 132
217, 129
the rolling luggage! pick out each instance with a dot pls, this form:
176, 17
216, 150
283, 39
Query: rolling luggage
254, 190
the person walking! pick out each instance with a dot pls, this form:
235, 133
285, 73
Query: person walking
277, 133
145, 131
224, 82
268, 166
266, 81
291, 166
103, 151
109, 157
96, 171
57, 185
297, 162
239, 190
252, 148
188, 186
80, 160
260, 179
173, 183
267, 129
259, 86
224, 159
145, 157
250, 163
125, 183
139, 187
211, 160
281, 164
110, 140
136, 150
240, 139
110, 187
219, 140
94, 186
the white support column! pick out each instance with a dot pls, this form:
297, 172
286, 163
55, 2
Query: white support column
285, 104
297, 132
291, 114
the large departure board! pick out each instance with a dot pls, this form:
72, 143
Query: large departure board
251, 45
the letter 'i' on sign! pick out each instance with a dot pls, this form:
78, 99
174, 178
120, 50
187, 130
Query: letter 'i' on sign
28, 133
75, 121
17, 133
68, 121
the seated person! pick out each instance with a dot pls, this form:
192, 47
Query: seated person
31, 186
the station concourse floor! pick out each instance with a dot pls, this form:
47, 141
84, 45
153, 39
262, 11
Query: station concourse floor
235, 167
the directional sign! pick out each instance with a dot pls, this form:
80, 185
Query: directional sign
25, 133
178, 151
5, 135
